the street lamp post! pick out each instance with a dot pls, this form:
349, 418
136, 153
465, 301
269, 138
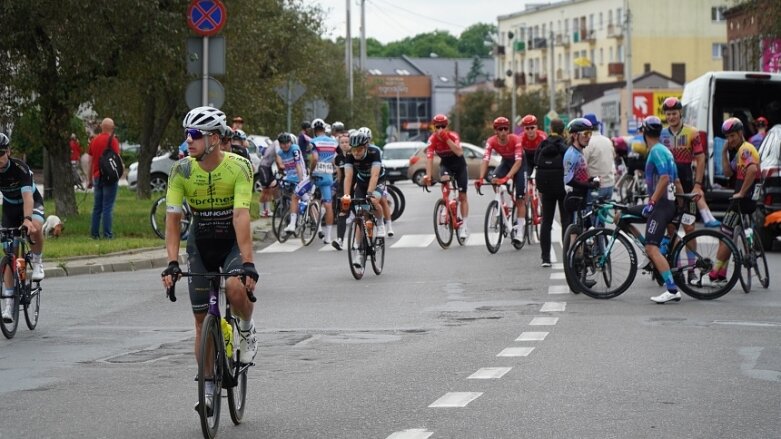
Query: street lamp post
511, 73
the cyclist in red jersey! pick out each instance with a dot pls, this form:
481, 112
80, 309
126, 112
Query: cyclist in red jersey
447, 145
530, 139
509, 147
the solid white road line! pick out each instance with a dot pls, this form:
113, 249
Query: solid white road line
416, 241
489, 373
544, 321
558, 266
412, 433
515, 352
532, 336
288, 246
557, 276
558, 289
553, 306
456, 399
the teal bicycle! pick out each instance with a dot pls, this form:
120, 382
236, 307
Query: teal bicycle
602, 262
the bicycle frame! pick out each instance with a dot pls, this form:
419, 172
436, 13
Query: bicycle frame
15, 248
452, 203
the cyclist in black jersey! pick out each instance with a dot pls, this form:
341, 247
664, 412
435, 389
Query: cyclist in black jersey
341, 156
22, 206
365, 163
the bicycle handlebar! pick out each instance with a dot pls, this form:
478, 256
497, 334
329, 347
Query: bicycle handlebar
18, 232
171, 292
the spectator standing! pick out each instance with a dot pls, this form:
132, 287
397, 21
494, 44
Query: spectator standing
75, 157
756, 139
549, 162
237, 123
600, 157
105, 194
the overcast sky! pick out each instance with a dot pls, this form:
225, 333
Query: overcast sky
393, 20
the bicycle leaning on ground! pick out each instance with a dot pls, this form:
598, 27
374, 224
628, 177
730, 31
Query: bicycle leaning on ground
16, 265
218, 357
500, 216
602, 262
362, 242
447, 213
157, 218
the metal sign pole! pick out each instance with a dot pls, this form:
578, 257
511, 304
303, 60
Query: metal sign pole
205, 79
289, 105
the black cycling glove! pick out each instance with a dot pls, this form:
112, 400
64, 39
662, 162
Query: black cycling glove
173, 270
249, 271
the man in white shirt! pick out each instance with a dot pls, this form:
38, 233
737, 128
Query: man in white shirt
600, 158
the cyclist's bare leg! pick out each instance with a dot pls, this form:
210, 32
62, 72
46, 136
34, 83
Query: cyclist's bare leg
199, 317
37, 237
236, 293
655, 255
520, 207
464, 205
386, 210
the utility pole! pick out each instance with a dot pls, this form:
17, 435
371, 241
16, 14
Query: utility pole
348, 57
512, 74
363, 35
457, 112
552, 91
629, 108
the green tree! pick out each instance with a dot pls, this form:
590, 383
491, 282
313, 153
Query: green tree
440, 43
476, 111
472, 41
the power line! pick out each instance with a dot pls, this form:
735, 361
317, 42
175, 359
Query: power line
425, 17
411, 31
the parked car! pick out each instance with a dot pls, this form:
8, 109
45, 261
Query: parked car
395, 158
473, 155
768, 214
162, 163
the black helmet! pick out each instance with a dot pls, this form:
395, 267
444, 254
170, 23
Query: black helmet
671, 103
358, 139
578, 125
652, 126
306, 125
285, 138
4, 142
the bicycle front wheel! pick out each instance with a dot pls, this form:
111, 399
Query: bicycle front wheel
443, 226
237, 395
31, 297
493, 227
694, 257
603, 264
311, 223
759, 263
378, 255
356, 254
277, 219
210, 371
570, 235
7, 269
157, 217
740, 241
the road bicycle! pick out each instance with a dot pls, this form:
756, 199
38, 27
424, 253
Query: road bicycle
447, 213
362, 240
16, 265
307, 221
631, 188
602, 262
218, 357
281, 206
500, 217
396, 200
752, 255
533, 218
158, 214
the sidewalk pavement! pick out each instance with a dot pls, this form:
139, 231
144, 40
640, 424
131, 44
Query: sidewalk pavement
139, 259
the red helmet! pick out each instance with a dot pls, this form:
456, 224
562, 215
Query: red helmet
529, 120
672, 103
761, 122
501, 121
439, 119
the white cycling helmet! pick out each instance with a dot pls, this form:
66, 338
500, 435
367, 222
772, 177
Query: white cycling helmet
205, 119
318, 124
328, 129
4, 141
367, 131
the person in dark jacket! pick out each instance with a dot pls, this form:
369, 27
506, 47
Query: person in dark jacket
548, 161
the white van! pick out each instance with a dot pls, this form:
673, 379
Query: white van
716, 96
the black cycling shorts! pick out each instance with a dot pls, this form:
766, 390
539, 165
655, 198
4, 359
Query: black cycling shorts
455, 167
658, 220
13, 214
265, 176
212, 259
518, 178
686, 176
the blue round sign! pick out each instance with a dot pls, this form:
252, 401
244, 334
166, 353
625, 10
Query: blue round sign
206, 17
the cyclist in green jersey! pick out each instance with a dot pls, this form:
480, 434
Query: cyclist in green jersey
218, 188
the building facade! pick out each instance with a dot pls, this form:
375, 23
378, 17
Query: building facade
748, 47
580, 42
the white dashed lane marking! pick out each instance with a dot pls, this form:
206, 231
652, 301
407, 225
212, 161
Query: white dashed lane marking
553, 306
544, 321
515, 352
456, 399
558, 289
414, 241
288, 246
557, 276
559, 266
412, 433
489, 373
532, 336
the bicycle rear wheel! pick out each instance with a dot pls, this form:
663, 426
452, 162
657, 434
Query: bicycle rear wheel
9, 328
603, 264
356, 254
378, 255
443, 226
493, 227
759, 263
311, 223
157, 217
696, 253
570, 235
277, 218
399, 202
237, 395
740, 241
210, 369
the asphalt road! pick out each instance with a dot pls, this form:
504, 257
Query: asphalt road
450, 343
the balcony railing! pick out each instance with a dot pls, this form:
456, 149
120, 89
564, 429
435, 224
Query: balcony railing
615, 69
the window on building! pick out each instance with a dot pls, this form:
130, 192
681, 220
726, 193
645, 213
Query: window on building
716, 50
678, 71
375, 72
575, 25
620, 51
601, 56
544, 32
600, 21
559, 61
717, 13
610, 17
646, 67
522, 34
591, 22
566, 28
610, 54
619, 18
567, 63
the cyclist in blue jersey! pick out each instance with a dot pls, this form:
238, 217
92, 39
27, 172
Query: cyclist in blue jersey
661, 176
290, 159
323, 154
